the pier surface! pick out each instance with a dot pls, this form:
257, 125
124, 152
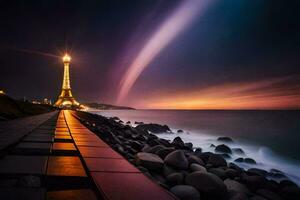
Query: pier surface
54, 156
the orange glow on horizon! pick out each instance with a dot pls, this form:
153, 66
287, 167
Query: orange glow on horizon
267, 94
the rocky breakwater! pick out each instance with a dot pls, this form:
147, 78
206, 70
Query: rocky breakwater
187, 172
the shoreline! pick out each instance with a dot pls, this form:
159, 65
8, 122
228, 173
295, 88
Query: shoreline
187, 172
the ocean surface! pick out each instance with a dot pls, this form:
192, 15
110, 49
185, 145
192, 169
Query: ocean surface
272, 138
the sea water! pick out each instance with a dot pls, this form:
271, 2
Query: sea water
272, 138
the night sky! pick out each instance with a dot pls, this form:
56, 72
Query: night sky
235, 54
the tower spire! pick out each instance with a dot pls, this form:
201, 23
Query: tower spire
66, 99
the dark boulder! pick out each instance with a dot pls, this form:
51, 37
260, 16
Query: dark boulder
249, 161
291, 193
167, 170
238, 151
231, 173
268, 194
225, 139
185, 192
235, 186
223, 148
149, 161
196, 167
216, 161
175, 179
195, 159
177, 160
179, 131
239, 160
219, 172
153, 128
208, 184
164, 152
255, 171
178, 143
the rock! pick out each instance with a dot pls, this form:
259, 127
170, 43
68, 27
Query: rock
225, 139
286, 183
189, 145
291, 193
136, 145
167, 170
179, 131
149, 161
249, 161
236, 186
209, 184
239, 160
223, 148
154, 149
255, 171
231, 173
128, 122
225, 155
185, 192
177, 160
268, 194
216, 161
29, 181
212, 146
237, 196
253, 182
164, 152
235, 167
196, 167
238, 151
219, 172
194, 159
198, 151
153, 128
178, 143
175, 179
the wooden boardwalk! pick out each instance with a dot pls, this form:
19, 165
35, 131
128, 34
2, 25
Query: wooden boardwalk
57, 157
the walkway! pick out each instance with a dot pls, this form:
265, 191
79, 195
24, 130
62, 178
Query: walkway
54, 156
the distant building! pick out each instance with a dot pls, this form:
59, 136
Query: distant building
47, 101
2, 92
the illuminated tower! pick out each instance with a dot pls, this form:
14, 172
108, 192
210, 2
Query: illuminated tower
66, 99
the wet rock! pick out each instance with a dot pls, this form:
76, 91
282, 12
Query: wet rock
175, 179
237, 196
153, 128
208, 184
189, 145
255, 171
153, 149
253, 182
198, 151
225, 155
185, 192
167, 170
216, 161
236, 186
235, 167
223, 148
286, 183
196, 167
239, 160
219, 172
268, 194
231, 173
225, 139
177, 160
195, 159
149, 161
136, 145
212, 146
249, 161
128, 122
178, 143
164, 152
238, 151
179, 131
291, 193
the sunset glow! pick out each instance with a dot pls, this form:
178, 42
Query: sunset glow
268, 94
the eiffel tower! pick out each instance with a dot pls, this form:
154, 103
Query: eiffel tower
66, 99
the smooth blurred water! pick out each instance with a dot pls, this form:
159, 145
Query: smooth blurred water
272, 138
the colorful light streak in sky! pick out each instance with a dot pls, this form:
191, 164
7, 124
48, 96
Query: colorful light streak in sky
178, 21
